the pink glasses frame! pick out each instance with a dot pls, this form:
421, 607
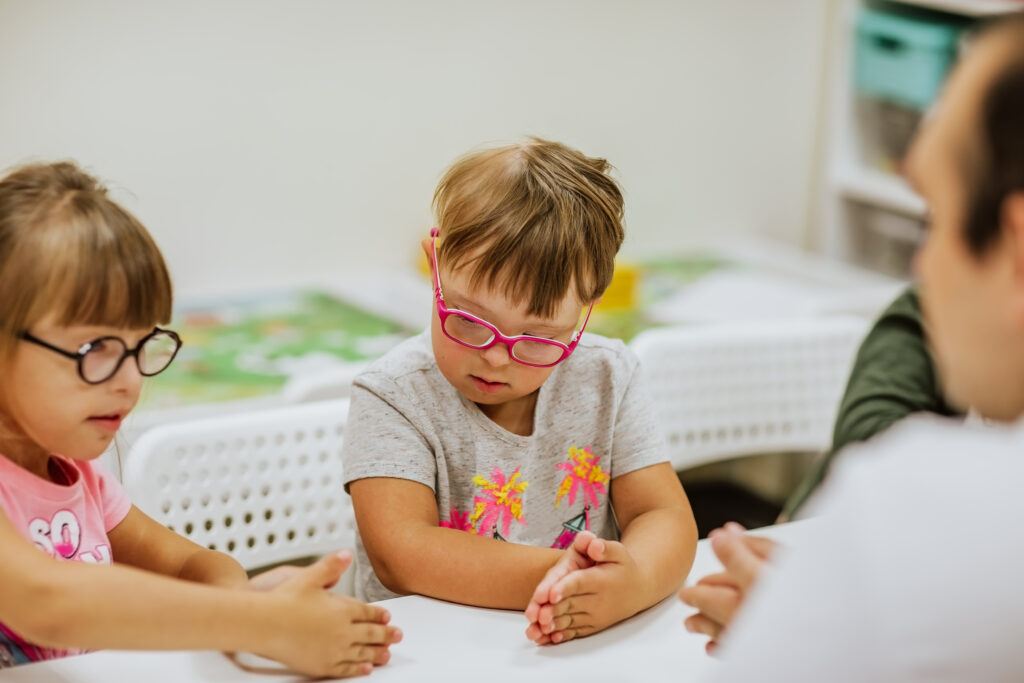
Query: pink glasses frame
443, 312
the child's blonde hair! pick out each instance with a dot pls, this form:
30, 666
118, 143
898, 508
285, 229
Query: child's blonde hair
533, 217
68, 250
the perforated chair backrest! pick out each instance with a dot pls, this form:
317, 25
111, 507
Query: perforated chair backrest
263, 486
726, 390
324, 385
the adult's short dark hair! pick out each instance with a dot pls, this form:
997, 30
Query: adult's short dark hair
998, 168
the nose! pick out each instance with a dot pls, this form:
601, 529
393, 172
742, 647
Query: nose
128, 379
498, 355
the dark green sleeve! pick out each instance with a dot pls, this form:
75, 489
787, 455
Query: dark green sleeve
892, 377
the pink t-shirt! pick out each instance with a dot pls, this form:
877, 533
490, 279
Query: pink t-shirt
66, 521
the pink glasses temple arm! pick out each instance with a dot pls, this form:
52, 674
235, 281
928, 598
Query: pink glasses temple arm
579, 333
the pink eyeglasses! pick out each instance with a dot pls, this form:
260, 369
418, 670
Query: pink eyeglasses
476, 333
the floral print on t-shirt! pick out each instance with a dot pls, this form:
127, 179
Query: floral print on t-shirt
499, 500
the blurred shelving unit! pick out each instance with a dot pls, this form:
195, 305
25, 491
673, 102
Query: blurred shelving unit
968, 8
869, 215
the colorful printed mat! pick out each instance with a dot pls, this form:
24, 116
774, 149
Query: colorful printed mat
250, 347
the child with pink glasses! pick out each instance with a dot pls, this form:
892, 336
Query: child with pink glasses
503, 459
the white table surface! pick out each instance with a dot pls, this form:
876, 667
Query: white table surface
446, 642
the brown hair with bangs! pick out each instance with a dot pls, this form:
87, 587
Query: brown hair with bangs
68, 250
531, 218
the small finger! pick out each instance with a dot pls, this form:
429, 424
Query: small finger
350, 669
364, 613
534, 632
361, 653
576, 583
582, 541
545, 616
559, 612
739, 561
346, 557
716, 602
566, 621
571, 634
762, 547
717, 579
376, 634
564, 567
532, 610
325, 572
375, 654
601, 550
540, 593
543, 640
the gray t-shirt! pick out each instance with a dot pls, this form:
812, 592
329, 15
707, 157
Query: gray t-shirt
592, 422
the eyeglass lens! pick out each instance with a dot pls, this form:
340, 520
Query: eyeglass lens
105, 355
472, 333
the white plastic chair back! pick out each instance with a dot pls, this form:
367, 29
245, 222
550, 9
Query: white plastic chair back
263, 486
330, 383
726, 390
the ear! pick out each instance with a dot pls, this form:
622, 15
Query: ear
428, 255
1013, 226
1012, 215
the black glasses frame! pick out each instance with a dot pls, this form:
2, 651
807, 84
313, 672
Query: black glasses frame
79, 356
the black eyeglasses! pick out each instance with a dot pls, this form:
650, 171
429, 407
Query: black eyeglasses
100, 359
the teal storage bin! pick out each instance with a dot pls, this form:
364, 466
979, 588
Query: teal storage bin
903, 58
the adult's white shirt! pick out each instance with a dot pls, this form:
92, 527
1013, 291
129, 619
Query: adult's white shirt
913, 573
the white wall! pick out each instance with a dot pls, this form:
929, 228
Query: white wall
274, 142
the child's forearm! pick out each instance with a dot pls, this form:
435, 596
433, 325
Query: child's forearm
216, 569
663, 543
109, 606
462, 567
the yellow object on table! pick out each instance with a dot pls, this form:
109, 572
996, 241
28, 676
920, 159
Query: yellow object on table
624, 290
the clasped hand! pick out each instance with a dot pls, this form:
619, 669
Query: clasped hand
593, 585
